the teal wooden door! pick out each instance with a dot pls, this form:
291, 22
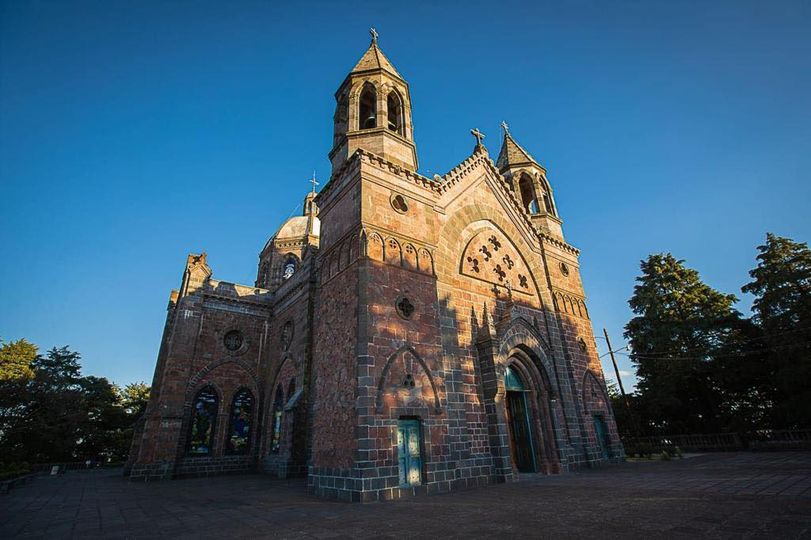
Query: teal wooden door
520, 431
409, 450
601, 431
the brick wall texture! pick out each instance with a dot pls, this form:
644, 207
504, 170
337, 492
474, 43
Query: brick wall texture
386, 364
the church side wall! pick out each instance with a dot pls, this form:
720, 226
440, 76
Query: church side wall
196, 357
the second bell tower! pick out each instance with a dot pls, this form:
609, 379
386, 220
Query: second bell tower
373, 112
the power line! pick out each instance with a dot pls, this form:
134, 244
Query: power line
635, 356
742, 342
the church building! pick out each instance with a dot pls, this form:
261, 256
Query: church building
404, 335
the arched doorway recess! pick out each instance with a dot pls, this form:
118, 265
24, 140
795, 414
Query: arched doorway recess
529, 404
518, 414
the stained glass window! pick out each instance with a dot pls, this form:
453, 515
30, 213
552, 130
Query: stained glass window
204, 418
278, 404
239, 430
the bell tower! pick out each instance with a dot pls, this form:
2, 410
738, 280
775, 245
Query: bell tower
373, 112
528, 180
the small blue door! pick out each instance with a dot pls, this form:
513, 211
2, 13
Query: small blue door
601, 432
409, 451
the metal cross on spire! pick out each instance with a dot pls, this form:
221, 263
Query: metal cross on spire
374, 34
505, 127
478, 134
313, 181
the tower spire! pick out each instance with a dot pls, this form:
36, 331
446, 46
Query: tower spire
373, 112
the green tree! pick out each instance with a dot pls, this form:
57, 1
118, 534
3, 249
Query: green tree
681, 324
16, 372
134, 399
781, 284
15, 360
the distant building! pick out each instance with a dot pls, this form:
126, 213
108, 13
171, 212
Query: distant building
405, 334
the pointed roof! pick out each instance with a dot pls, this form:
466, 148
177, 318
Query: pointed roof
512, 153
374, 58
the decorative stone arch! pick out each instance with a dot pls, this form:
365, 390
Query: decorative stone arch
589, 379
375, 247
425, 262
384, 376
392, 252
287, 356
521, 332
199, 377
409, 254
446, 258
520, 336
597, 407
356, 243
344, 254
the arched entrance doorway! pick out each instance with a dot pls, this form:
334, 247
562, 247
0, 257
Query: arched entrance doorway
519, 419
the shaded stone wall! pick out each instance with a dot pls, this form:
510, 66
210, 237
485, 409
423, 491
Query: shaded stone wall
194, 356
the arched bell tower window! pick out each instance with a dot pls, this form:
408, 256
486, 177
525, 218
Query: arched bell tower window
547, 199
367, 118
528, 194
394, 108
341, 118
289, 267
203, 421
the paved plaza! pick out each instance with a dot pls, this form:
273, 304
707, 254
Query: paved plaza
734, 495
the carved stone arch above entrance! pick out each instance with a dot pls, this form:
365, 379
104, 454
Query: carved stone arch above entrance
522, 336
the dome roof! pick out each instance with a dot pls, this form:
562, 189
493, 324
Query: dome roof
296, 227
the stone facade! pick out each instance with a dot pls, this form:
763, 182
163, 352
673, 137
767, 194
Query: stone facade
404, 335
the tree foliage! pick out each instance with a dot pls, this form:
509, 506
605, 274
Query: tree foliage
680, 325
56, 414
702, 366
781, 284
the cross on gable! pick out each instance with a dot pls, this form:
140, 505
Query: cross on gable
478, 134
505, 127
313, 182
374, 34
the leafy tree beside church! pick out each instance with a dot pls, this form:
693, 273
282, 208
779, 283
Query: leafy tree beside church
703, 367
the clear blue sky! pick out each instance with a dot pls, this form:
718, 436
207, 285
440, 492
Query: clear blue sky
132, 133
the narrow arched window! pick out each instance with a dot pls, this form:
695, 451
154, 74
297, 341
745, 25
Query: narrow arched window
394, 108
289, 267
528, 194
367, 118
547, 199
239, 426
276, 419
203, 421
341, 118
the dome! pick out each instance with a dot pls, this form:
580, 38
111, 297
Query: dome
297, 226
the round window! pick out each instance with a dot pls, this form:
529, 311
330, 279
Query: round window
399, 203
233, 340
564, 269
289, 268
404, 307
